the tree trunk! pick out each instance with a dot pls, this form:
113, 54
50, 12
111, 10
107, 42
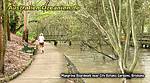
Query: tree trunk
1, 40
25, 33
3, 32
8, 29
5, 16
25, 27
1, 46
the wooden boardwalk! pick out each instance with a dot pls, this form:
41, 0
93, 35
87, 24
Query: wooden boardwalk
46, 68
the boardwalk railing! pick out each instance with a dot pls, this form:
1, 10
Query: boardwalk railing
73, 70
56, 37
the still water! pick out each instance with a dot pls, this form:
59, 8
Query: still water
88, 61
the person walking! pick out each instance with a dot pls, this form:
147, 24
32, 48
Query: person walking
41, 42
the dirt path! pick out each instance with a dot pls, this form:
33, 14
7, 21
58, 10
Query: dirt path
46, 68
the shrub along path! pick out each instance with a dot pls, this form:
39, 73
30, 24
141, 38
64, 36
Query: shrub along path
46, 68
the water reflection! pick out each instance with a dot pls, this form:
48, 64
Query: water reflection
91, 62
145, 64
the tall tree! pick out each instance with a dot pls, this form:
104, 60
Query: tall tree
5, 24
118, 18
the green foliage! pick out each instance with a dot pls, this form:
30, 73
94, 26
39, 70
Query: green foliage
32, 36
18, 33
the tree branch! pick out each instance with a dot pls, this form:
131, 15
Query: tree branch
98, 51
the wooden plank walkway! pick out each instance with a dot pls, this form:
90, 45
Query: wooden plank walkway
46, 68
